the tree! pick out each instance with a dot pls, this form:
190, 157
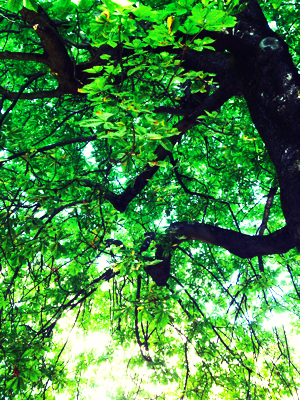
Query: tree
153, 148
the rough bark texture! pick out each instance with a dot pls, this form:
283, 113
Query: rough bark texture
270, 84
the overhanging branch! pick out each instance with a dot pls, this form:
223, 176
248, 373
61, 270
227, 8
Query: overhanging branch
239, 244
55, 50
44, 94
21, 56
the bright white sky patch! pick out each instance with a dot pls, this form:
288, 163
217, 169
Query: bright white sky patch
96, 341
273, 25
124, 3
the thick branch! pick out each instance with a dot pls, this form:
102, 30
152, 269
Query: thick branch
54, 49
239, 244
45, 94
271, 86
20, 56
209, 61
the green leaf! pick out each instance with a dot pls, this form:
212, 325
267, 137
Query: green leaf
199, 14
112, 43
154, 262
30, 4
14, 5
166, 144
276, 3
95, 69
12, 383
189, 27
85, 5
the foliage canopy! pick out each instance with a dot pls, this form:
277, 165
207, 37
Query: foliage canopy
150, 188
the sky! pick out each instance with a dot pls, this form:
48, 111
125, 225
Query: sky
96, 341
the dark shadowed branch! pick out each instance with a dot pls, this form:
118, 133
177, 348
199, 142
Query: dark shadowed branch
239, 244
